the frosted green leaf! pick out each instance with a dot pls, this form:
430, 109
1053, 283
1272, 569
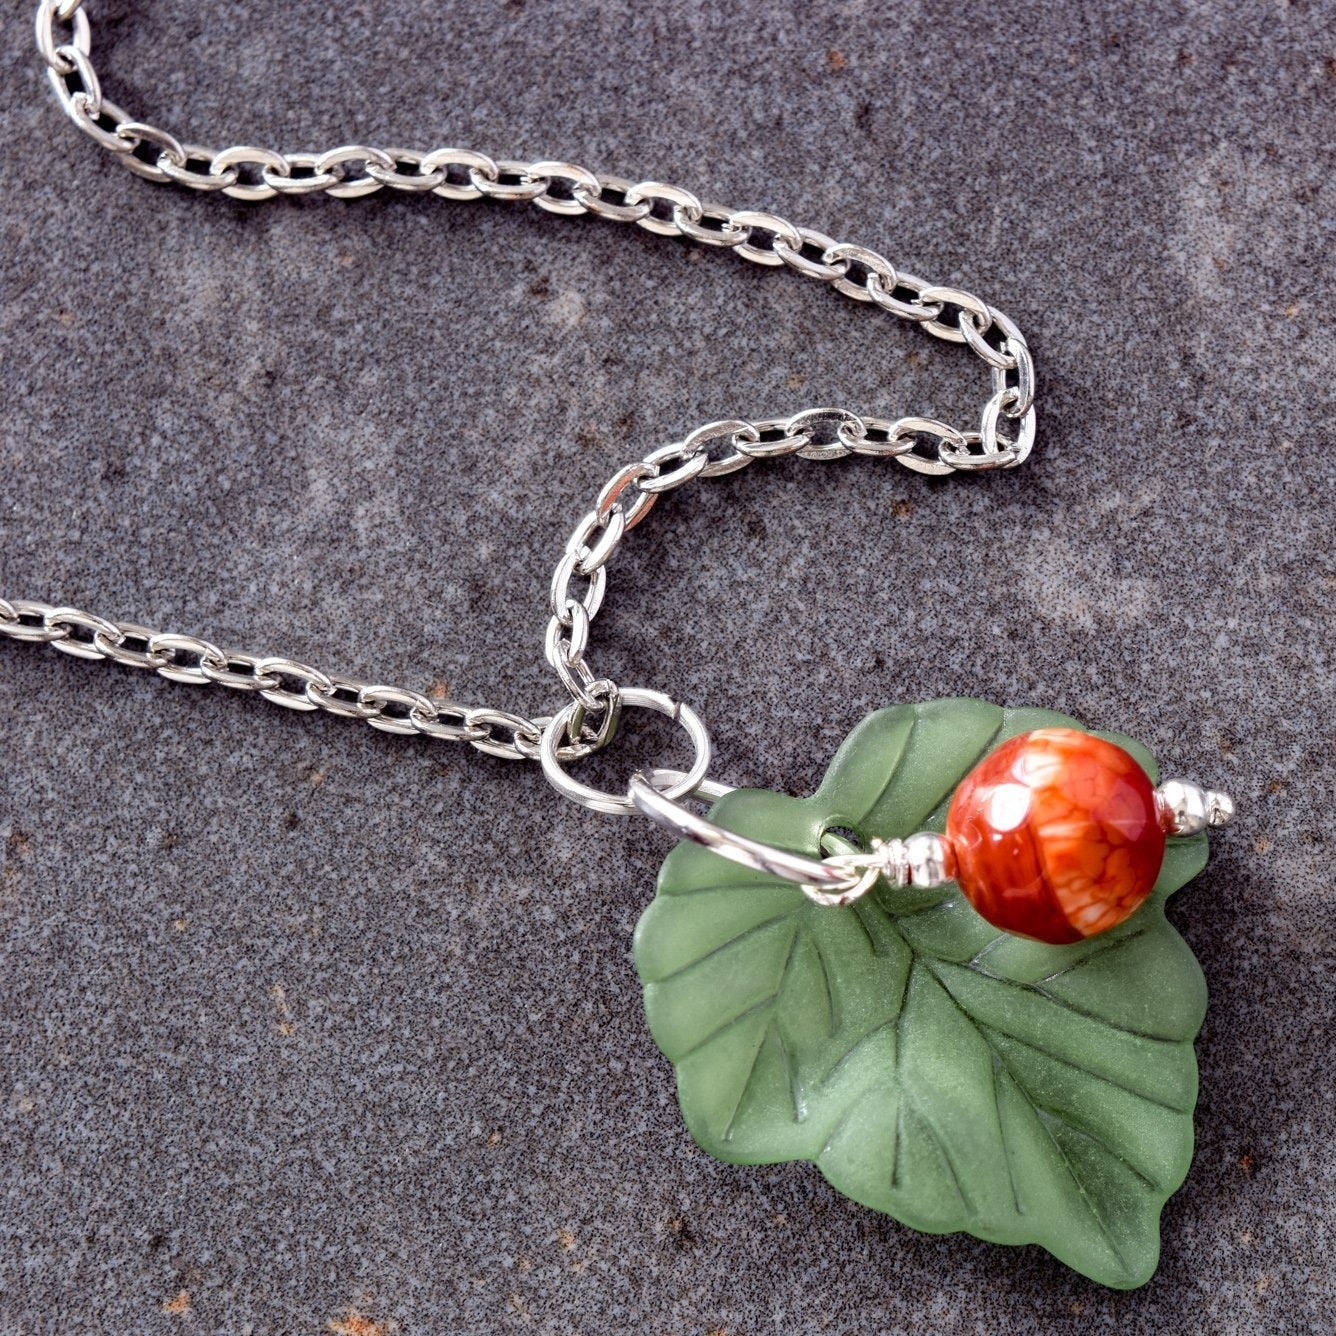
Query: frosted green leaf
952, 1076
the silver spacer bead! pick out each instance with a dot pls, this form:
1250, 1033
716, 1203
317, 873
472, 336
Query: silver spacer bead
1187, 809
921, 860
1219, 808
927, 855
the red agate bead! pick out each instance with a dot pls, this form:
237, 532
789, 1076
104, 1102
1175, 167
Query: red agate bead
1055, 835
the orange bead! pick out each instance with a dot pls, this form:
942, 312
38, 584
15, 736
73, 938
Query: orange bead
1055, 835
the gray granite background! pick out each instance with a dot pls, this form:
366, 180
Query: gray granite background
308, 1029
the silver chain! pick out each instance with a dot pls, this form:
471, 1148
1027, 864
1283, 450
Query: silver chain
349, 171
282, 681
589, 721
711, 451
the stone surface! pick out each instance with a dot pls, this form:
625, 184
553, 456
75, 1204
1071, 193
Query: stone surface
309, 1029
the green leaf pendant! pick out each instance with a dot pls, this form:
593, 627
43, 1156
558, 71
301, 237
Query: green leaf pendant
935, 1069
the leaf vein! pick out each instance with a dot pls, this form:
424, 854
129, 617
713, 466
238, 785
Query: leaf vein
726, 1026
1081, 1188
770, 1025
854, 1047
1076, 1066
940, 1143
1086, 1134
795, 1081
742, 1089
1001, 1131
895, 768
1066, 1161
867, 932
1055, 1000
725, 946
1095, 1016
985, 1028
831, 1025
1102, 949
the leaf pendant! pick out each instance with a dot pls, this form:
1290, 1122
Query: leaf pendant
933, 1068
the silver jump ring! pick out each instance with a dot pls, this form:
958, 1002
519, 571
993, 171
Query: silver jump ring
599, 800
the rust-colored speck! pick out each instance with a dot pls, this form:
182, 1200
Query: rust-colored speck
439, 690
1263, 1283
521, 1308
1247, 1162
902, 509
19, 842
1292, 311
353, 1323
494, 1138
180, 1305
565, 1239
180, 925
286, 1025
836, 59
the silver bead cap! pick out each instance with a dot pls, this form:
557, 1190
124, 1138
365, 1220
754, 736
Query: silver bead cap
1186, 809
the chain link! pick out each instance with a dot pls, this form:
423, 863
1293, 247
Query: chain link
281, 681
352, 170
711, 451
255, 173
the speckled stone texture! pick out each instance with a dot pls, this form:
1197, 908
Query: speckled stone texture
309, 1029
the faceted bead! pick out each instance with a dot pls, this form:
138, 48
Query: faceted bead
1055, 835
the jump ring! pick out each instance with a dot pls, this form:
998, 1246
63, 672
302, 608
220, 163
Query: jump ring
599, 800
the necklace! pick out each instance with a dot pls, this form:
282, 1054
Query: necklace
946, 977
